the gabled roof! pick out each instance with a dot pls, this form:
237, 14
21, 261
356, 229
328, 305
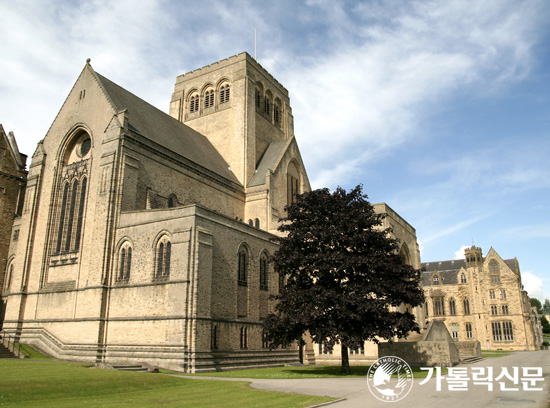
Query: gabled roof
19, 159
159, 127
269, 161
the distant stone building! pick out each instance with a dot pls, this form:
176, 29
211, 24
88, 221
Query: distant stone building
13, 177
145, 236
482, 298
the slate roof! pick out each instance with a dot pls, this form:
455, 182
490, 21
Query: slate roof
448, 270
163, 129
268, 161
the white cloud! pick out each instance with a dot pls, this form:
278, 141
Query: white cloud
460, 253
534, 286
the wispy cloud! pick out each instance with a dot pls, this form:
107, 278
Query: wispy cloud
365, 97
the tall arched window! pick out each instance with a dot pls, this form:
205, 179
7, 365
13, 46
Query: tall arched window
439, 306
70, 218
164, 254
214, 340
494, 270
267, 104
277, 112
9, 276
263, 272
258, 94
62, 217
242, 265
466, 306
72, 201
125, 262
293, 182
80, 220
244, 337
452, 307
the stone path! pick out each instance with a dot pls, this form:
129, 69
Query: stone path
355, 392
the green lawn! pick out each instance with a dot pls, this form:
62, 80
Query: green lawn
495, 353
34, 383
326, 371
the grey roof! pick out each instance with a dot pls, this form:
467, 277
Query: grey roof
448, 270
447, 277
163, 129
268, 161
454, 265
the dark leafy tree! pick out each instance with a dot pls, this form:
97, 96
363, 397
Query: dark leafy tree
545, 325
536, 303
344, 277
546, 308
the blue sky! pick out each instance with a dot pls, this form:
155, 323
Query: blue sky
439, 108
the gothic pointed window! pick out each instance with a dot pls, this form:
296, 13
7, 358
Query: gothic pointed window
125, 263
466, 306
80, 220
242, 266
172, 201
452, 307
70, 218
494, 270
263, 272
62, 217
163, 258
67, 235
9, 276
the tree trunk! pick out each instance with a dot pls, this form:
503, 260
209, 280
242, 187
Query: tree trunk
345, 360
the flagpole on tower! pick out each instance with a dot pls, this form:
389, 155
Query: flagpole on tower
255, 45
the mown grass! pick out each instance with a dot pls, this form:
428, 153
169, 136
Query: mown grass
32, 383
29, 352
495, 353
291, 372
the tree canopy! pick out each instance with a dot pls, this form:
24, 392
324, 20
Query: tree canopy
536, 303
344, 277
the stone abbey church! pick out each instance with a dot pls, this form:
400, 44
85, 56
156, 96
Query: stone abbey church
145, 236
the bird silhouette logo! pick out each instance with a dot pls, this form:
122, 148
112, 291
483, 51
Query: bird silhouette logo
390, 378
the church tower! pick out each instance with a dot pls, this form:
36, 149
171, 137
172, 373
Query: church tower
474, 257
238, 106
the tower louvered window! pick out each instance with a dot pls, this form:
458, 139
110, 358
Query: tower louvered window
194, 104
209, 98
224, 94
